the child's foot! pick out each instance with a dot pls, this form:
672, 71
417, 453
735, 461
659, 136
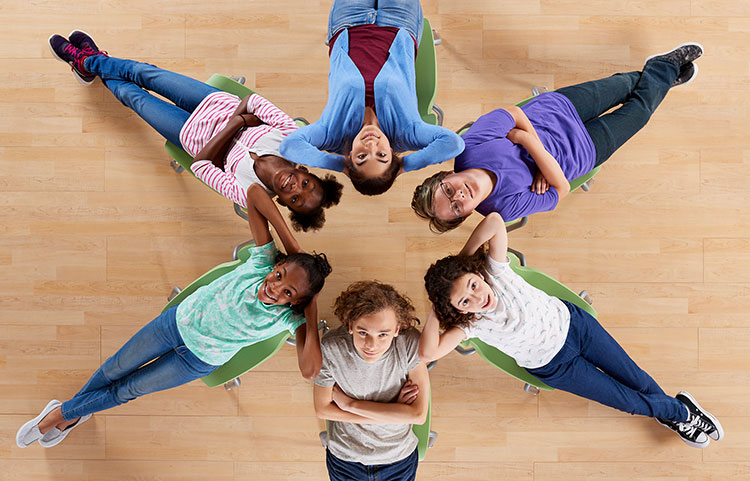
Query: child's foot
687, 73
682, 55
701, 418
84, 42
690, 435
73, 56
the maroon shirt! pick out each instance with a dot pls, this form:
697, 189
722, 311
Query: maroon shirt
368, 49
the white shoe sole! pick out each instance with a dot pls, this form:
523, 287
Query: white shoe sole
719, 427
80, 79
63, 434
21, 433
687, 441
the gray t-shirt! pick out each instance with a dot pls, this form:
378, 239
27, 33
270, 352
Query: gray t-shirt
380, 381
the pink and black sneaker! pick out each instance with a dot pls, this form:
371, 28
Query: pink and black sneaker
84, 42
73, 56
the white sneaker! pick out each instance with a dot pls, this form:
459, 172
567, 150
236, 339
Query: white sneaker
29, 432
54, 436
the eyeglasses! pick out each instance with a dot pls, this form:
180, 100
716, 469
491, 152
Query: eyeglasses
449, 193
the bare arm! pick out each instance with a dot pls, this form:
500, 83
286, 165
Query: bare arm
260, 211
432, 344
309, 357
325, 408
525, 135
491, 229
217, 147
393, 412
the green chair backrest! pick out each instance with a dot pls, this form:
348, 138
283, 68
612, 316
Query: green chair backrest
552, 287
248, 357
426, 75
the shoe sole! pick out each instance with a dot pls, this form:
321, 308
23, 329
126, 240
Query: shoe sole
80, 79
680, 45
719, 427
51, 406
687, 441
64, 434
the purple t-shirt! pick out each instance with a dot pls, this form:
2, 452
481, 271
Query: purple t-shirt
563, 135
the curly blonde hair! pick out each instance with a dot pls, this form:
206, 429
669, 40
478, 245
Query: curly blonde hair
368, 297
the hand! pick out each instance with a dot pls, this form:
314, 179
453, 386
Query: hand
540, 184
341, 399
516, 135
409, 393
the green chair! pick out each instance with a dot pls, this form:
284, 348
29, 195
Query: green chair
425, 437
426, 76
248, 357
547, 284
181, 160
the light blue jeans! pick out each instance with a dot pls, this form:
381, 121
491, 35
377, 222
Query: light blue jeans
130, 82
405, 14
154, 359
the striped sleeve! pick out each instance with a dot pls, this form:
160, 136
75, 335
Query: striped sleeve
270, 114
222, 182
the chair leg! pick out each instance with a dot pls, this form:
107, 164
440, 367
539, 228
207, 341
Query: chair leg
584, 294
436, 37
302, 119
518, 224
586, 186
177, 167
519, 254
238, 210
175, 291
431, 364
439, 112
538, 90
232, 384
236, 251
240, 79
531, 389
431, 439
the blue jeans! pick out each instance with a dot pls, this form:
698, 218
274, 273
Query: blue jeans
405, 14
340, 470
154, 359
592, 365
638, 92
127, 80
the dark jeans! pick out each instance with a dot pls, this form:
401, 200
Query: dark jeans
154, 359
340, 470
592, 365
638, 92
127, 80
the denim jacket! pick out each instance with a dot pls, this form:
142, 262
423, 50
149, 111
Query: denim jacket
396, 106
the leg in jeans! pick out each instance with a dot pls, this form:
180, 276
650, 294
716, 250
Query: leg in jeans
340, 470
403, 470
350, 13
123, 377
593, 365
127, 79
612, 130
403, 14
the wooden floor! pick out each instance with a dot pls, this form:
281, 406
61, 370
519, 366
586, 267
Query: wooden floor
95, 228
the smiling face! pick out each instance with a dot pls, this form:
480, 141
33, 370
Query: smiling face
373, 333
471, 294
371, 152
460, 193
298, 189
287, 283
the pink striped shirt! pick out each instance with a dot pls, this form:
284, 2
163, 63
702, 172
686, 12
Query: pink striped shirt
212, 115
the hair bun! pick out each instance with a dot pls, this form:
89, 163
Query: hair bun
321, 263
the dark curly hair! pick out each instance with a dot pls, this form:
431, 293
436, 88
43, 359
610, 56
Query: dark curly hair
438, 281
422, 204
368, 297
317, 268
377, 185
314, 220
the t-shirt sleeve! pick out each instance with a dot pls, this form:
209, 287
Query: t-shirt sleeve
526, 203
496, 267
490, 126
263, 256
411, 346
325, 377
269, 114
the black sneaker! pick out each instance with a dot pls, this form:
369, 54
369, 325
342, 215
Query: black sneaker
683, 54
84, 42
690, 435
73, 56
687, 73
701, 418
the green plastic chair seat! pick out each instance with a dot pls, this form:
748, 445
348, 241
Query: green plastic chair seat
547, 284
426, 75
248, 357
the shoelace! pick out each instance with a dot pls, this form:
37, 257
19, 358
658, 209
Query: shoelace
700, 423
690, 426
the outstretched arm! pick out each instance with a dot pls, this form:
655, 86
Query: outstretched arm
260, 211
525, 135
492, 230
309, 357
432, 344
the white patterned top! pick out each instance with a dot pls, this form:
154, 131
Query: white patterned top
528, 325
